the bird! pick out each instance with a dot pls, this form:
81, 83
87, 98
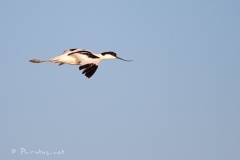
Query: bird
87, 60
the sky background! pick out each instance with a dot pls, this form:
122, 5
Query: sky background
178, 100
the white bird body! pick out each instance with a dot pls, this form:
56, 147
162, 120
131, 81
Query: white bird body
65, 58
87, 60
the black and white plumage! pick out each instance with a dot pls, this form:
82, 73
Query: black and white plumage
87, 60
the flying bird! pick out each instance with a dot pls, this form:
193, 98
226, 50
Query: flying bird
87, 60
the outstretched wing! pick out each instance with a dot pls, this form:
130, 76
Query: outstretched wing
89, 69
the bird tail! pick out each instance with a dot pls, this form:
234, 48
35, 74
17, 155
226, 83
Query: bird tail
38, 61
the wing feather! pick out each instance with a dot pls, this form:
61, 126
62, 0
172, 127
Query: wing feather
89, 69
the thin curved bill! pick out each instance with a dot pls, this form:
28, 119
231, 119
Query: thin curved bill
124, 59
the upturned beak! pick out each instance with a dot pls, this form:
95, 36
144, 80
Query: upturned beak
124, 59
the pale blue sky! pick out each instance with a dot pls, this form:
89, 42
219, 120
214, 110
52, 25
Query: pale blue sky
178, 100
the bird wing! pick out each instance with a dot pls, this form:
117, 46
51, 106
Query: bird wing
88, 61
72, 50
89, 69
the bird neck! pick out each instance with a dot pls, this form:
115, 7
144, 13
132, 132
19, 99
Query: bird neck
100, 56
105, 57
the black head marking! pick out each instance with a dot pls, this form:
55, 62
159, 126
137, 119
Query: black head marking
110, 53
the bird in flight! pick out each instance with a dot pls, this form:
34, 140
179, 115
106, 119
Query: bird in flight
87, 60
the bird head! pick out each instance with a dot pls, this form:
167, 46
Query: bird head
112, 55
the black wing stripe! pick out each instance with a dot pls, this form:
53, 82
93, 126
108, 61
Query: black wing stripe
89, 69
87, 53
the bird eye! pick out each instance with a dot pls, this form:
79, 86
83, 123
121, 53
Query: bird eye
114, 54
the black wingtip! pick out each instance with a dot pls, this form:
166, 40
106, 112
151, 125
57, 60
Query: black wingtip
89, 69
